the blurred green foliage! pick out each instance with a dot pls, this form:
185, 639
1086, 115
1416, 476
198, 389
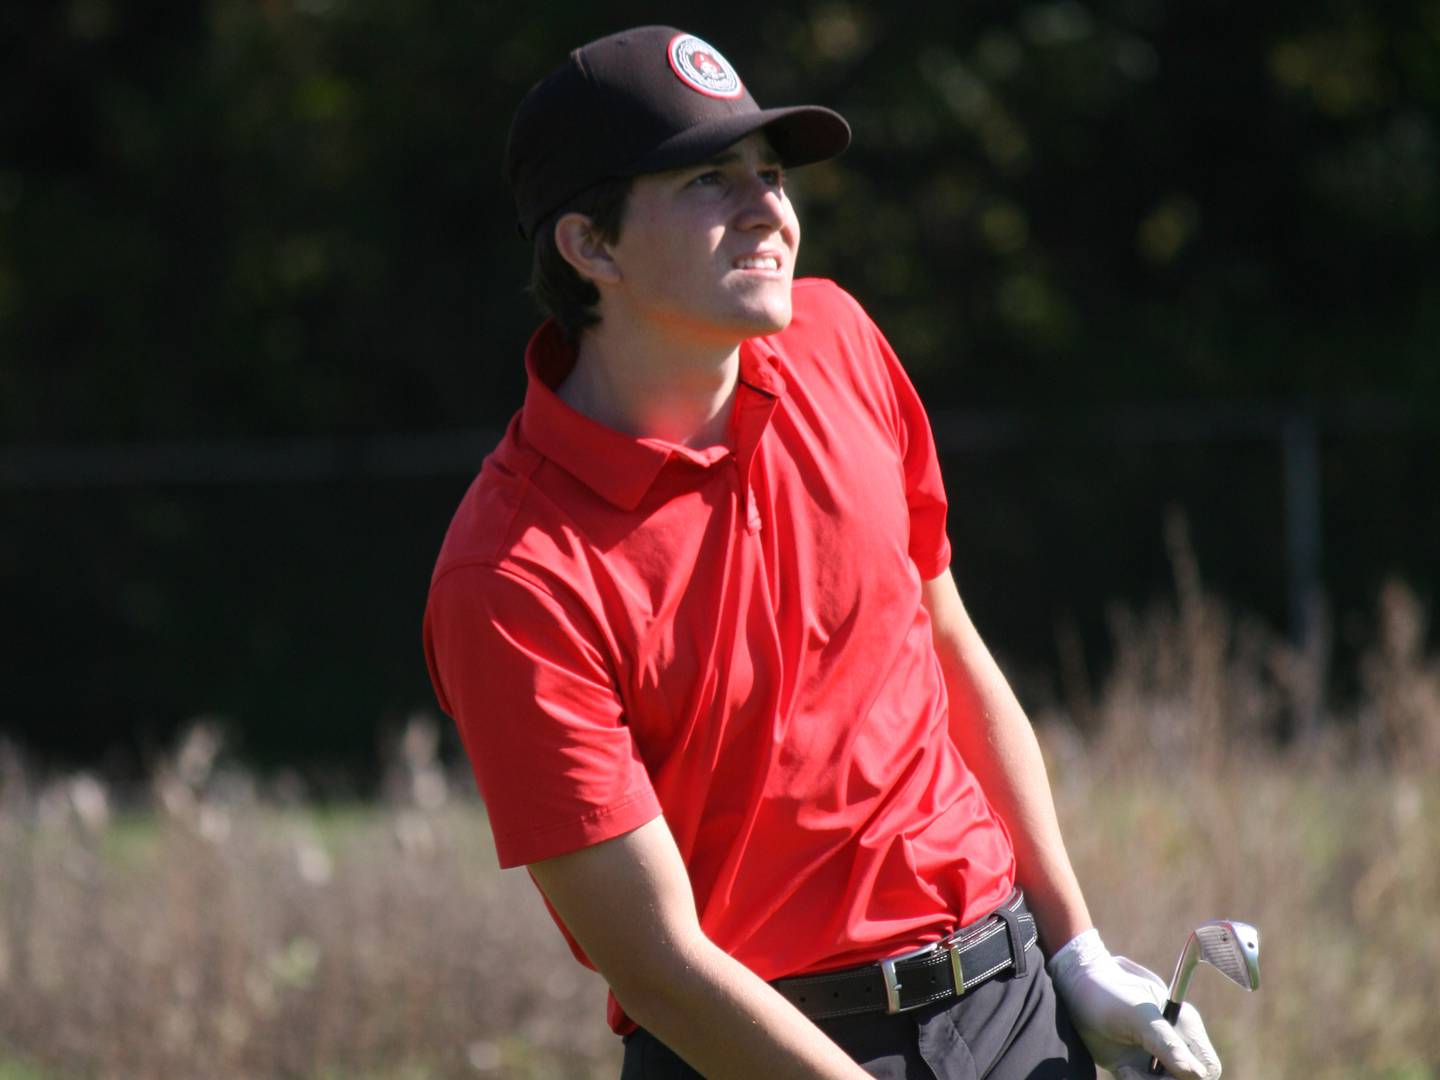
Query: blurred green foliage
237, 219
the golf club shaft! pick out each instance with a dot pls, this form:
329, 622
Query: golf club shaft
1172, 1013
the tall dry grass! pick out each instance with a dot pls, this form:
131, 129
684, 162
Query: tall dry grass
216, 932
211, 929
1183, 805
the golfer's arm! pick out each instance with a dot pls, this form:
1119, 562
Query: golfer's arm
994, 736
628, 903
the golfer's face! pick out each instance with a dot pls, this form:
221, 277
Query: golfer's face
709, 250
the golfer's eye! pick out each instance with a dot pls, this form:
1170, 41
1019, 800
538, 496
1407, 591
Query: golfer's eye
774, 176
707, 179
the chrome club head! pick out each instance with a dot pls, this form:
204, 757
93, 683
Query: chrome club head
1229, 946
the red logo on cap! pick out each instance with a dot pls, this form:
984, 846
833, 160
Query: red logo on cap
700, 66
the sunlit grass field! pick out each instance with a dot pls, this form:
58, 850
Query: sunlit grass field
214, 926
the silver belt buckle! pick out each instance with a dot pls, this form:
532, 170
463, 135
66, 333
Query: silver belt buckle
891, 977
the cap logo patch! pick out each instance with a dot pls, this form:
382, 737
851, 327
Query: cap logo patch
700, 66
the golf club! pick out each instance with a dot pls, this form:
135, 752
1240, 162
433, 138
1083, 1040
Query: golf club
1229, 946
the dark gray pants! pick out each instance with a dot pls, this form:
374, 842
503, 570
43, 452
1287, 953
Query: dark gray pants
1006, 1029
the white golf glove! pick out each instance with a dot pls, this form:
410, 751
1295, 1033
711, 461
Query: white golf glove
1116, 1005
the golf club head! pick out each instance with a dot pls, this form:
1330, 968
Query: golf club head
1228, 945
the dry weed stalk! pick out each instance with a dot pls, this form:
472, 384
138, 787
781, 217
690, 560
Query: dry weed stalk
1400, 720
1191, 684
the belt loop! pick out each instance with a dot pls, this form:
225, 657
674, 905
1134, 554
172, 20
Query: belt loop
1016, 936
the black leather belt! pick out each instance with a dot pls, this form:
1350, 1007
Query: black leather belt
944, 969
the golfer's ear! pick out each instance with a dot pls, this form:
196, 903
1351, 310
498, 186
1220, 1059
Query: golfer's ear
578, 245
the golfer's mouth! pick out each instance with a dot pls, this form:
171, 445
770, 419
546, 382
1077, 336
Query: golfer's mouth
758, 262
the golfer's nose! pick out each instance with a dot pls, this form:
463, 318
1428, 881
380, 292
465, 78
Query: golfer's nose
764, 205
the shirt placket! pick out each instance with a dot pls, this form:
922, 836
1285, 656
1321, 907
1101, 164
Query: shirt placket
753, 409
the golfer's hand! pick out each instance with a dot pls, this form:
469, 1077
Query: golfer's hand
1115, 1005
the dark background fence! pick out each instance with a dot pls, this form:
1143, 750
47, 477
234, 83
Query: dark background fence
262, 308
279, 585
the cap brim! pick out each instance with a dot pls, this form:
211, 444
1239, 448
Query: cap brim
800, 134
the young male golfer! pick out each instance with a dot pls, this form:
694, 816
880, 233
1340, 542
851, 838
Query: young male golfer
695, 622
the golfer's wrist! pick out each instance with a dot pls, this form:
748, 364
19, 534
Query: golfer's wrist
1081, 951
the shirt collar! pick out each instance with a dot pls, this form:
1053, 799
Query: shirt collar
760, 367
619, 468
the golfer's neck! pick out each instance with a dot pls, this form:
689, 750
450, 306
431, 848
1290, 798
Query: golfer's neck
654, 385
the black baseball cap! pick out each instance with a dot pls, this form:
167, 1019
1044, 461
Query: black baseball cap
644, 100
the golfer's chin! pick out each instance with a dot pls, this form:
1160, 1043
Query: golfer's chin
770, 316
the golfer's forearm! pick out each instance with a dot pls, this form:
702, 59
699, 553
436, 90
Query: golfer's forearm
998, 744
629, 904
727, 1022
994, 736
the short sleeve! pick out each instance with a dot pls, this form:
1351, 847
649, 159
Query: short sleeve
924, 487
530, 690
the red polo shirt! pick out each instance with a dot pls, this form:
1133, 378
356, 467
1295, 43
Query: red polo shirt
732, 637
